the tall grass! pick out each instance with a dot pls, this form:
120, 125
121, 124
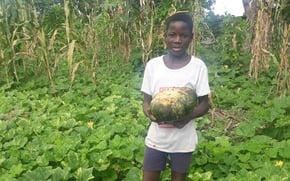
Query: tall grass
271, 41
261, 44
26, 47
282, 40
32, 43
283, 75
108, 32
8, 41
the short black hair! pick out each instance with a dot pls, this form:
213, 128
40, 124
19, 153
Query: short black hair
180, 17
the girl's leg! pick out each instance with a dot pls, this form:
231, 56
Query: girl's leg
154, 162
151, 175
175, 176
179, 164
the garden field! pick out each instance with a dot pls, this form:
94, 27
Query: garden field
97, 131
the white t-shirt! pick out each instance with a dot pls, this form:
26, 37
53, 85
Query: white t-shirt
158, 76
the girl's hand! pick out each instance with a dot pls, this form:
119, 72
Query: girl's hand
151, 117
179, 124
146, 107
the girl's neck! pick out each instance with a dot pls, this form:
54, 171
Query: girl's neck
182, 57
176, 62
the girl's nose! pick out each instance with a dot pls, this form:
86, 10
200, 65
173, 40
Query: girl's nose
177, 39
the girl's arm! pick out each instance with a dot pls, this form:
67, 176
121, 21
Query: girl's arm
146, 106
200, 110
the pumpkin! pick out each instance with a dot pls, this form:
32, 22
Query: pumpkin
172, 104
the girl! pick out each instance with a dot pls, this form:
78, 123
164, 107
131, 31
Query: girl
177, 68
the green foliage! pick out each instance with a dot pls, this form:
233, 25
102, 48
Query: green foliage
82, 134
230, 39
96, 132
254, 147
40, 36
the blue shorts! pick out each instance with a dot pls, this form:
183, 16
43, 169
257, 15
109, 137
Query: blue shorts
155, 160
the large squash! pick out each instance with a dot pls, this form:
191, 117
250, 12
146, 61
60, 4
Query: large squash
173, 104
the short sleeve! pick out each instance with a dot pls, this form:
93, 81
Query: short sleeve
202, 86
146, 83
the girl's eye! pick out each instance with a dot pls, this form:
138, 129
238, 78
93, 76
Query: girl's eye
183, 36
171, 35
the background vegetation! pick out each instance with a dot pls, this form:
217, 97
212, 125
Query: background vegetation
70, 77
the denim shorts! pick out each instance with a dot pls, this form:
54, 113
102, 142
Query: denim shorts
155, 160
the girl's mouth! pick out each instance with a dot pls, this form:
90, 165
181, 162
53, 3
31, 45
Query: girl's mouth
176, 49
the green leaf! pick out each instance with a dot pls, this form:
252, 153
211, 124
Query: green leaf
244, 157
222, 144
268, 170
42, 161
272, 151
108, 175
3, 126
10, 159
40, 173
197, 176
117, 142
7, 177
246, 129
59, 174
84, 131
201, 159
17, 169
257, 143
73, 160
101, 145
19, 141
84, 174
284, 150
134, 174
100, 160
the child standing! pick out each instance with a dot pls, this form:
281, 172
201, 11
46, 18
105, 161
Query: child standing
177, 68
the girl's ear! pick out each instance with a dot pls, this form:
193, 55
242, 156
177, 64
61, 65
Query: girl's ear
191, 36
165, 34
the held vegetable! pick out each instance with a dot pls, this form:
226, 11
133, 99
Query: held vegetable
173, 104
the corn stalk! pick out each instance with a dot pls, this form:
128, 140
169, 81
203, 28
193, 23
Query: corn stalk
19, 38
261, 44
9, 40
125, 40
196, 21
271, 40
73, 67
282, 19
45, 54
145, 31
149, 32
283, 75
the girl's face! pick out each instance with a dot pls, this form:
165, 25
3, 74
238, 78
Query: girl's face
178, 38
